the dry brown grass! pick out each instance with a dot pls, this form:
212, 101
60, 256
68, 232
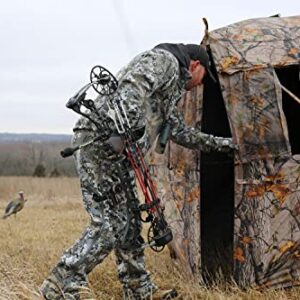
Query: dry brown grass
52, 220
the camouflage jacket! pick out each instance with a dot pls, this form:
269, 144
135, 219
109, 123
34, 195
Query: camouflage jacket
150, 86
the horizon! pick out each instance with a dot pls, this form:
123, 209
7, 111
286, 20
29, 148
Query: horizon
35, 133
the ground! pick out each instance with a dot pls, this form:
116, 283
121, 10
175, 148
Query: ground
52, 219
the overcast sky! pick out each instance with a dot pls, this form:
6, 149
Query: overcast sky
49, 46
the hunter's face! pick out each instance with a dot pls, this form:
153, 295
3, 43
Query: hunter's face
197, 72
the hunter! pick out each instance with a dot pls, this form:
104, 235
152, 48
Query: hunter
150, 87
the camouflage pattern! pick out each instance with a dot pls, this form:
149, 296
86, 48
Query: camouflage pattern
267, 198
148, 86
115, 225
177, 177
236, 47
267, 223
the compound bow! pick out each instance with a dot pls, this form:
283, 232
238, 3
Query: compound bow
105, 84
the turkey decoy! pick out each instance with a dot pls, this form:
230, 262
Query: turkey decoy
14, 206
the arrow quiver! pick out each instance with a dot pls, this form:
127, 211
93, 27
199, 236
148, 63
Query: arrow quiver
105, 84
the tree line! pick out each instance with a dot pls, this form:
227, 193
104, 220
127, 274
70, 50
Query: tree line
35, 158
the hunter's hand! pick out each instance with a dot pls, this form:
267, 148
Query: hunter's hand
226, 145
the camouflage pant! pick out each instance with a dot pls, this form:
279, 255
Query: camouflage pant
110, 197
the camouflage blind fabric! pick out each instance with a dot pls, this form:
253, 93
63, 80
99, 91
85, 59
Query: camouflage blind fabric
266, 233
267, 195
255, 44
177, 179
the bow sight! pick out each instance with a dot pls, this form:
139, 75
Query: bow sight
105, 84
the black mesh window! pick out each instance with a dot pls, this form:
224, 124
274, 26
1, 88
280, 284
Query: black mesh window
289, 78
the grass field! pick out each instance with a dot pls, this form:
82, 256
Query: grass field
53, 218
